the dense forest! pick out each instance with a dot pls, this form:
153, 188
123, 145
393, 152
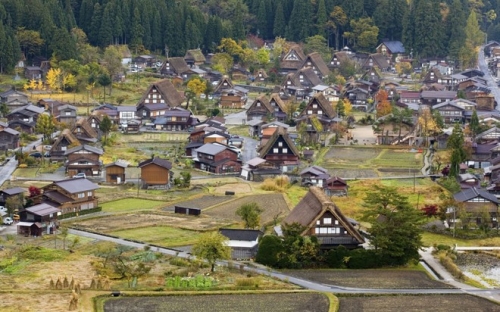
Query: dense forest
61, 27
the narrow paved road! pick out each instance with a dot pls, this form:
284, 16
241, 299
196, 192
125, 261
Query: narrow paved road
9, 167
492, 294
492, 84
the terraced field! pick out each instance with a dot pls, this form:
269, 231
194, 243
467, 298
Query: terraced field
203, 202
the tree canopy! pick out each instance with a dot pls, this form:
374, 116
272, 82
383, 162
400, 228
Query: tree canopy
212, 246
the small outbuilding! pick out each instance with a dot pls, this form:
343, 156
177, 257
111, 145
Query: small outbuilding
115, 172
243, 242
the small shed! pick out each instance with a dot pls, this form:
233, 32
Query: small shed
187, 210
115, 172
243, 242
11, 192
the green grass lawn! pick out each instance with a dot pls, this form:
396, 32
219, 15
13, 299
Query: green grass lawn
131, 204
160, 235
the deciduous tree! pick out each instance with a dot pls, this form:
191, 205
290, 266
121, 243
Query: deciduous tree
250, 214
458, 154
46, 126
212, 246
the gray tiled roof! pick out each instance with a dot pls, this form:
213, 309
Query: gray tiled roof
84, 147
76, 185
471, 193
241, 235
210, 149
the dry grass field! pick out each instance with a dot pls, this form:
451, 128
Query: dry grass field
273, 206
438, 303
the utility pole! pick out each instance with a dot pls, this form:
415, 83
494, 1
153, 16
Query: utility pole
138, 184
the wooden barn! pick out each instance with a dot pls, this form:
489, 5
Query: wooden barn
115, 172
155, 172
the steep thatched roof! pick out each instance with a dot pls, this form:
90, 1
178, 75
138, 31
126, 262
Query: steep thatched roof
167, 92
317, 61
279, 132
314, 204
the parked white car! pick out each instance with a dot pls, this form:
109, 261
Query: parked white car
80, 175
8, 220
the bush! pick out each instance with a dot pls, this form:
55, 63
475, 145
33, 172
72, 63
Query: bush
336, 258
248, 282
448, 263
269, 248
278, 184
365, 259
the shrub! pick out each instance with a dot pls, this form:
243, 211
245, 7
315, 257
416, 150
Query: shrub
248, 282
269, 248
448, 263
278, 184
337, 258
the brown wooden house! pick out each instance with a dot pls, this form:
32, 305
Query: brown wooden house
9, 139
66, 114
38, 219
71, 195
157, 98
335, 186
318, 116
155, 172
175, 66
83, 159
280, 151
317, 64
24, 118
217, 158
323, 219
64, 141
11, 192
476, 202
115, 172
292, 60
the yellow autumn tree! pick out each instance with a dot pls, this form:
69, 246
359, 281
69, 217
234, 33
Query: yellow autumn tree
403, 68
347, 107
197, 86
30, 85
68, 81
383, 105
427, 125
53, 79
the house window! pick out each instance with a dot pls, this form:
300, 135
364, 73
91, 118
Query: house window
258, 104
146, 101
89, 194
81, 195
320, 112
318, 222
315, 105
309, 112
285, 150
327, 220
63, 148
67, 113
336, 222
275, 150
280, 144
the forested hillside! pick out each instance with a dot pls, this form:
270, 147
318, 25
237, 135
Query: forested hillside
58, 27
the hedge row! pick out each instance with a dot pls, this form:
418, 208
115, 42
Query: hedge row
80, 213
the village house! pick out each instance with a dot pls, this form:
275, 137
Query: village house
194, 58
37, 220
314, 176
322, 218
301, 82
175, 119
155, 172
477, 202
280, 151
115, 172
126, 113
317, 64
24, 118
14, 99
158, 97
376, 60
11, 192
175, 67
335, 186
71, 195
64, 141
9, 138
394, 50
339, 59
260, 109
66, 114
217, 158
83, 159
84, 132
244, 243
292, 61
258, 169
431, 98
318, 117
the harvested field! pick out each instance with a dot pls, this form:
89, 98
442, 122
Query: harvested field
237, 188
353, 173
131, 204
202, 202
272, 204
377, 279
438, 303
160, 235
51, 301
348, 155
109, 224
300, 302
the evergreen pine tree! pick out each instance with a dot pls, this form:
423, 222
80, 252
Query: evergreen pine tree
279, 21
455, 22
85, 15
95, 25
106, 30
262, 20
238, 27
136, 30
321, 19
